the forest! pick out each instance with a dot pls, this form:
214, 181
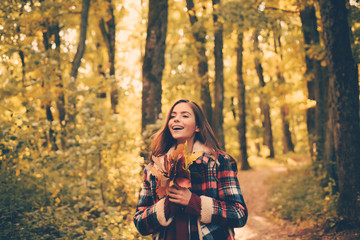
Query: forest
85, 84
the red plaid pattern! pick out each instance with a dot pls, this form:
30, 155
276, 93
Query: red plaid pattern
222, 204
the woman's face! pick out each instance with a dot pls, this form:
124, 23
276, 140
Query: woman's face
182, 123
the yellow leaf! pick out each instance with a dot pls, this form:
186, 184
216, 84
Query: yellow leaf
153, 170
193, 157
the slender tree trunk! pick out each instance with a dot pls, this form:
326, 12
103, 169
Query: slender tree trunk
288, 145
20, 52
85, 6
317, 86
108, 31
219, 79
101, 71
22, 58
344, 95
199, 36
47, 34
60, 103
241, 127
311, 36
154, 61
265, 108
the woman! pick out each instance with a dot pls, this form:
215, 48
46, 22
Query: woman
213, 206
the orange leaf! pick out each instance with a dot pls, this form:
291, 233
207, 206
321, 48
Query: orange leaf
178, 151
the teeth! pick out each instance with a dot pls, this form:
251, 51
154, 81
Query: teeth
177, 128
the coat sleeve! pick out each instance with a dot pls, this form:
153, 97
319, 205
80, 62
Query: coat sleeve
150, 215
229, 208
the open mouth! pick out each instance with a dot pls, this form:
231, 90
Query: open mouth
177, 128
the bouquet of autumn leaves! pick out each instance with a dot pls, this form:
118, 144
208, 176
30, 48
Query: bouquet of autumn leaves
173, 170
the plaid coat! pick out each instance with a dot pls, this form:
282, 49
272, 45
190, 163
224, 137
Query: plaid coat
222, 204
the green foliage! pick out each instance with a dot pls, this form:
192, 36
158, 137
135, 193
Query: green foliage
298, 197
85, 189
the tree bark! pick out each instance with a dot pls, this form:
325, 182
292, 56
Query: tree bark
241, 126
154, 61
85, 6
108, 31
317, 86
82, 38
288, 145
60, 103
22, 58
219, 79
47, 35
203, 68
264, 107
344, 95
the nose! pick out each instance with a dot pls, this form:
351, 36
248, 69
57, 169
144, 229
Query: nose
176, 118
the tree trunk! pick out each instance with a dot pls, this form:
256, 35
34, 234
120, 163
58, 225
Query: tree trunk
154, 61
219, 79
288, 145
108, 31
199, 36
241, 127
20, 52
265, 108
344, 95
22, 58
47, 34
82, 38
317, 86
85, 6
60, 103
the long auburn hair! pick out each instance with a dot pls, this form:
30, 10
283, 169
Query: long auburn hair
163, 140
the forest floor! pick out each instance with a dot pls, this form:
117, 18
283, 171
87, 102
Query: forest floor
255, 188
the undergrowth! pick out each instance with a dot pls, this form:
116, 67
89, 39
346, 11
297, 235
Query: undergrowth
297, 196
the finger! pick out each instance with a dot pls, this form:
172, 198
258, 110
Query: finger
172, 195
175, 195
174, 191
175, 186
174, 198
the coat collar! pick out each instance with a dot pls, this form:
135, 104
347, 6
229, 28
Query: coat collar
198, 147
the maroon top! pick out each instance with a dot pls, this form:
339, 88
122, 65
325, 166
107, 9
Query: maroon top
178, 229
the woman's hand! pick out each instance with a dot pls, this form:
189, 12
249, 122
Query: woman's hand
179, 195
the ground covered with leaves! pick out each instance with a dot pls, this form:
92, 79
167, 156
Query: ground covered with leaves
287, 202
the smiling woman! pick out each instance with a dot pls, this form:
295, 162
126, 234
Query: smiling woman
182, 124
213, 206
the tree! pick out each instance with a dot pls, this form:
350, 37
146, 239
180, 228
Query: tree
48, 32
199, 33
85, 6
153, 63
241, 126
344, 95
107, 27
317, 83
284, 109
218, 117
264, 106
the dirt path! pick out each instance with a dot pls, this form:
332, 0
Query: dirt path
255, 190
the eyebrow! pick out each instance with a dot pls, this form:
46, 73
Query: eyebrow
181, 112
